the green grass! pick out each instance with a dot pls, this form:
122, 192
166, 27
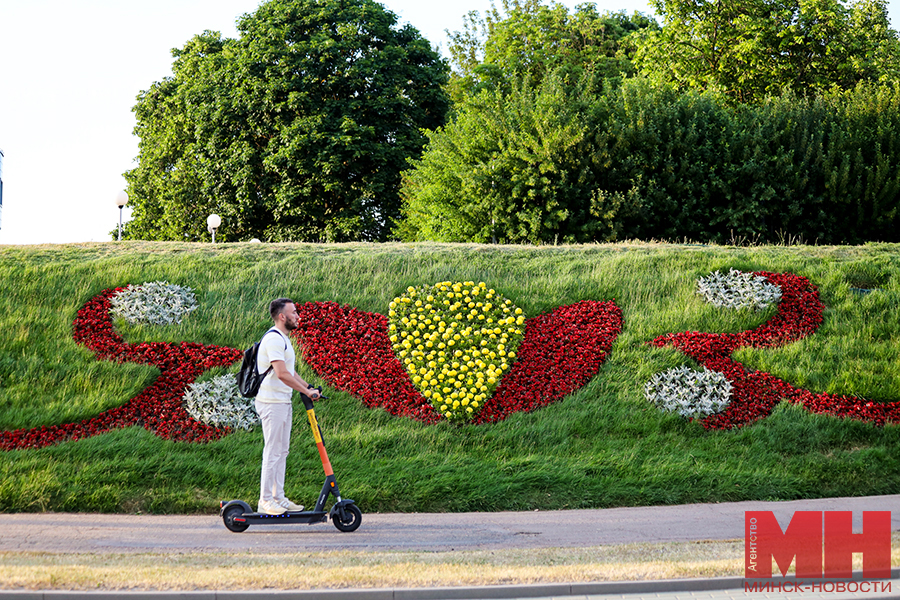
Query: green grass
602, 446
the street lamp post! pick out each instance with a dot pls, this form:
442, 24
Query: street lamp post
121, 201
493, 213
212, 223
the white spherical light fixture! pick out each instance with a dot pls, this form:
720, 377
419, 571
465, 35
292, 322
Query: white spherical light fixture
212, 223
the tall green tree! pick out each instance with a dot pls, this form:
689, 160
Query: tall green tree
753, 48
297, 130
167, 188
527, 39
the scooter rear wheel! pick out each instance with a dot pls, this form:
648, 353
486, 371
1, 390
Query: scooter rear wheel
351, 519
228, 516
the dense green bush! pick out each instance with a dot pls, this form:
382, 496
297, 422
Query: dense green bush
646, 160
819, 169
511, 168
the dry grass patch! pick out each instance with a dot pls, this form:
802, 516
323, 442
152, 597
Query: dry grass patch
320, 570
317, 570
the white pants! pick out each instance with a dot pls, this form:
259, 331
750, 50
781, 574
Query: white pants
276, 425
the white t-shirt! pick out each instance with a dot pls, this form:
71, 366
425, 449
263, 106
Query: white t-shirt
274, 346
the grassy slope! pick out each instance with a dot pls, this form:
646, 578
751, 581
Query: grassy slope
602, 446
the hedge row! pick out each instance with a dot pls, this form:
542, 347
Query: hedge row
647, 161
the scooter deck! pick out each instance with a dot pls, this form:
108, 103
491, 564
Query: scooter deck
288, 517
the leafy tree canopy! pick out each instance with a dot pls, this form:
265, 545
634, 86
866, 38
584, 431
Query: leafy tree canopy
527, 40
298, 130
509, 168
753, 48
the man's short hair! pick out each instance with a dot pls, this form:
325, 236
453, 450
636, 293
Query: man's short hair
278, 305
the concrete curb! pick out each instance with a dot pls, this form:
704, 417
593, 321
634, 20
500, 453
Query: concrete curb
497, 592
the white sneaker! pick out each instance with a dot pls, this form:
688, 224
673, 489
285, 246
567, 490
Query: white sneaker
288, 505
269, 507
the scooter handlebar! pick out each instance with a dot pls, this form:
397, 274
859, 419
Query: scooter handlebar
308, 402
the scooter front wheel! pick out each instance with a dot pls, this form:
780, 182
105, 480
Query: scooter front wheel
347, 519
228, 516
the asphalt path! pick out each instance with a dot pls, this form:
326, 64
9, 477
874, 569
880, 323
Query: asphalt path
383, 532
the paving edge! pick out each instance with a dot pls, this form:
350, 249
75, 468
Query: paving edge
490, 592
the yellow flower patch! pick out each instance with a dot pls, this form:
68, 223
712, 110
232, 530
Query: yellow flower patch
456, 341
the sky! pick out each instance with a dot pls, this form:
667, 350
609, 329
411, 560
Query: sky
70, 72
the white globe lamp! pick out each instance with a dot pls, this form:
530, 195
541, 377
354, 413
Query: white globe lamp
213, 222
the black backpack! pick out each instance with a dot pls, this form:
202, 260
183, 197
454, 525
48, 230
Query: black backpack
249, 378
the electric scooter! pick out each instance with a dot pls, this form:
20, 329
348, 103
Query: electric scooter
345, 515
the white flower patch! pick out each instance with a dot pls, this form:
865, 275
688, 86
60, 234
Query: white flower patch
157, 303
690, 393
738, 290
217, 402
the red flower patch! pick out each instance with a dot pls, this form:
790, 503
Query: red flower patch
755, 393
560, 352
158, 408
350, 349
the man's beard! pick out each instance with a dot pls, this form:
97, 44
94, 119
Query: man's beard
291, 326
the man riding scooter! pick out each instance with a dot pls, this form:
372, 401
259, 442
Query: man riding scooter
274, 407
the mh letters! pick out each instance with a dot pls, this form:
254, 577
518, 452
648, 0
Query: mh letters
811, 534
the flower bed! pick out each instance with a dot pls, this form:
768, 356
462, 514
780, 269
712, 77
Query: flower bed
560, 351
737, 289
755, 393
157, 303
689, 393
351, 350
455, 340
158, 408
218, 402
